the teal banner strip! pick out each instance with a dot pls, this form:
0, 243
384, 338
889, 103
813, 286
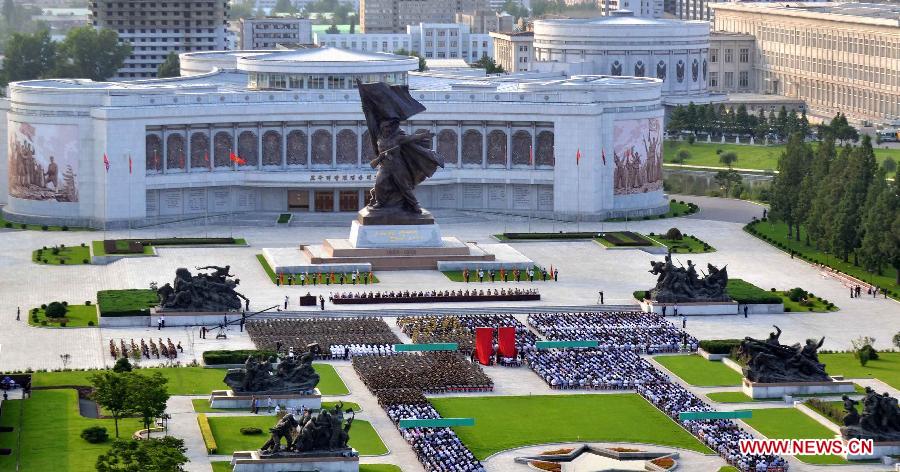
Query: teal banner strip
564, 344
714, 415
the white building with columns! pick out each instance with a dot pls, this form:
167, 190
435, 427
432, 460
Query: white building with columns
293, 124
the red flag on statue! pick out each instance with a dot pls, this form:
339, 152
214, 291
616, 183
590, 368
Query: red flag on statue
106, 162
578, 157
129, 164
237, 159
206, 159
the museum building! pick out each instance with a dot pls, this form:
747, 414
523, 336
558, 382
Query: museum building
278, 131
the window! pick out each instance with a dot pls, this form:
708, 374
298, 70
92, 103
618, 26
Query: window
316, 82
729, 79
745, 55
713, 79
713, 55
743, 79
295, 82
729, 53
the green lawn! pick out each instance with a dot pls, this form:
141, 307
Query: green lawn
188, 380
745, 292
9, 224
201, 405
791, 423
225, 466
226, 430
221, 466
886, 368
322, 277
676, 208
727, 468
76, 316
730, 397
509, 422
777, 232
457, 276
132, 302
696, 370
69, 255
687, 244
817, 305
51, 433
749, 157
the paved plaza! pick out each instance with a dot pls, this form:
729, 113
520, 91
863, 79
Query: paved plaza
584, 269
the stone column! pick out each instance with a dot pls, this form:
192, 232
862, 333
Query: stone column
459, 134
509, 133
333, 146
312, 200
165, 155
336, 207
259, 146
484, 140
283, 145
533, 150
188, 150
308, 147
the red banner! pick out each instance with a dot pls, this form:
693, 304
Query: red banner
484, 345
506, 336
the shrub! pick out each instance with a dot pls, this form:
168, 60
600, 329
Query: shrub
44, 228
55, 251
91, 323
719, 346
34, 311
23, 226
233, 357
43, 322
250, 430
62, 324
87, 303
55, 310
94, 434
8, 224
208, 439
44, 261
83, 245
796, 294
674, 234
64, 228
85, 261
65, 303
122, 365
44, 306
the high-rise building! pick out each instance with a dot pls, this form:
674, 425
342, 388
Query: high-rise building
393, 16
639, 8
514, 51
835, 56
431, 40
155, 28
268, 33
701, 9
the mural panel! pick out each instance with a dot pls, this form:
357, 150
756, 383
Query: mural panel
472, 150
153, 150
496, 148
521, 148
247, 149
43, 162
544, 155
175, 151
271, 148
200, 150
296, 148
223, 146
346, 147
447, 146
637, 153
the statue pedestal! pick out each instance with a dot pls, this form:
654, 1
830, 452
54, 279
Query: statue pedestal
251, 461
690, 309
777, 390
395, 236
227, 399
880, 450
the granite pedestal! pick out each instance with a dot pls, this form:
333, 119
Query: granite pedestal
252, 461
227, 399
757, 390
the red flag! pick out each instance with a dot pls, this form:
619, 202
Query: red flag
237, 159
603, 155
129, 163
206, 158
578, 157
106, 162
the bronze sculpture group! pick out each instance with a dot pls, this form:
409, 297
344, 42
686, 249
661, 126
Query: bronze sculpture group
403, 161
684, 285
293, 374
204, 292
879, 421
326, 432
769, 361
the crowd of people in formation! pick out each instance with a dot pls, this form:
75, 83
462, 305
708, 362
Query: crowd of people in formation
460, 329
511, 275
319, 278
349, 351
167, 349
643, 332
502, 292
432, 372
345, 336
438, 449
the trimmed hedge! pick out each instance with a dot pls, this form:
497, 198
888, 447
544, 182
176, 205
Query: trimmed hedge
719, 346
129, 302
560, 235
233, 357
206, 432
744, 292
626, 239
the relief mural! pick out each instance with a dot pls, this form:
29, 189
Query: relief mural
637, 153
43, 162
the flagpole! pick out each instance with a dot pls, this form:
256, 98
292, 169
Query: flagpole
129, 196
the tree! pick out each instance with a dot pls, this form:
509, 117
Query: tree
147, 396
896, 339
863, 349
353, 26
90, 53
29, 56
726, 179
153, 455
859, 173
171, 67
889, 165
333, 29
487, 63
122, 365
878, 245
682, 155
728, 158
514, 8
786, 185
112, 392
742, 120
240, 10
422, 65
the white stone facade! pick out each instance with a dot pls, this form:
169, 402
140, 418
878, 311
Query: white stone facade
268, 33
509, 144
431, 40
674, 51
